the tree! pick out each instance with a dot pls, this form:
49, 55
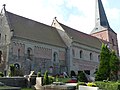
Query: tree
104, 68
114, 66
46, 78
81, 77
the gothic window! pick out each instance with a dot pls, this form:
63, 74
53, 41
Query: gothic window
5, 38
29, 53
81, 53
113, 42
99, 58
0, 36
0, 56
55, 55
18, 53
73, 53
91, 56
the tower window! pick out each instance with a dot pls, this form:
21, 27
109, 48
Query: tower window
0, 56
81, 53
55, 55
113, 42
91, 56
73, 53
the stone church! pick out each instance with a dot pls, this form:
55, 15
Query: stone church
34, 46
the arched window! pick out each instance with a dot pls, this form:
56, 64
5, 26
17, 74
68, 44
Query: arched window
29, 53
113, 42
99, 58
55, 55
81, 53
18, 53
91, 56
17, 66
73, 52
0, 56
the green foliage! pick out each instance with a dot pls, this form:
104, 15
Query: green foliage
12, 70
81, 83
72, 73
46, 79
39, 74
108, 85
114, 66
91, 84
1, 74
103, 71
51, 79
81, 77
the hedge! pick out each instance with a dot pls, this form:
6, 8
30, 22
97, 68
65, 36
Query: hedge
108, 85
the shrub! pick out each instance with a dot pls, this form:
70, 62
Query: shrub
81, 77
108, 85
46, 79
39, 74
1, 74
81, 83
51, 79
72, 73
91, 84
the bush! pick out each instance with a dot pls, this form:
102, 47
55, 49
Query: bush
46, 79
91, 84
81, 77
108, 85
72, 73
39, 74
81, 83
1, 74
51, 79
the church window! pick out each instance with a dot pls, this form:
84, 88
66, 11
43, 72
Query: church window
29, 51
113, 42
91, 56
81, 53
0, 36
18, 53
73, 53
99, 58
0, 56
5, 38
55, 55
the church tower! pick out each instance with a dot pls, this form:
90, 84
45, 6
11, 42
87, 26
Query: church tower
102, 28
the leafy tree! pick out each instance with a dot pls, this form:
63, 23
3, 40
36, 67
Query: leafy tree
46, 79
114, 66
81, 77
104, 68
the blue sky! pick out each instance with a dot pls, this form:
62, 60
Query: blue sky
78, 14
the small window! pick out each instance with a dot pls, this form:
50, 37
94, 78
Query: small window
73, 53
18, 53
81, 53
5, 38
113, 42
29, 53
91, 56
0, 36
99, 58
0, 56
55, 55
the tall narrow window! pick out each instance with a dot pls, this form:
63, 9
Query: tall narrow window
99, 58
5, 38
91, 56
113, 42
0, 56
0, 37
55, 55
18, 53
29, 53
81, 53
73, 53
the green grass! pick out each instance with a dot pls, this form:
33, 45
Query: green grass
26, 89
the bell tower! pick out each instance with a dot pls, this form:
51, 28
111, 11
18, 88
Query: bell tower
102, 28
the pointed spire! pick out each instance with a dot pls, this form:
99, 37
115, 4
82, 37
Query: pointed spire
101, 21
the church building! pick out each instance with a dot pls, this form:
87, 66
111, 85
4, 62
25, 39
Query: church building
34, 46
